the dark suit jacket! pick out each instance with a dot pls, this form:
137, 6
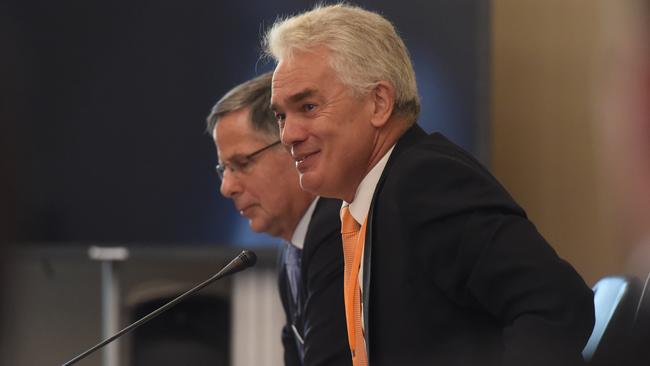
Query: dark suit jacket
455, 274
320, 315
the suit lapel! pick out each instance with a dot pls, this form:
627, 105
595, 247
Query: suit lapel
407, 139
367, 254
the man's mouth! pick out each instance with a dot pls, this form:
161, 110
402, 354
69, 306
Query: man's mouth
304, 161
245, 209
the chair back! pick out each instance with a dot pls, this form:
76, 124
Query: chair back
616, 300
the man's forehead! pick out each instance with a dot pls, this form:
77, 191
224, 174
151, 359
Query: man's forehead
293, 89
294, 95
289, 77
237, 137
302, 67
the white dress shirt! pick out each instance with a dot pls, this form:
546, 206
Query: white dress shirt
299, 234
360, 205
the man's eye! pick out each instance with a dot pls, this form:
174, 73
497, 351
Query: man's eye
239, 164
308, 107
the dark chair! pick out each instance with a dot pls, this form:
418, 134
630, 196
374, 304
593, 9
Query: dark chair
616, 299
194, 333
639, 354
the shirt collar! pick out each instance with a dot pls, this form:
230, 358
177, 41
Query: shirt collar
299, 234
360, 204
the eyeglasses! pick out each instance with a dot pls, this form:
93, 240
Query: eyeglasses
240, 164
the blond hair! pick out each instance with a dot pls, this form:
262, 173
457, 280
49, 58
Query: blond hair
364, 49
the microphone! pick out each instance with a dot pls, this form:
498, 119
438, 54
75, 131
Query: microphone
244, 260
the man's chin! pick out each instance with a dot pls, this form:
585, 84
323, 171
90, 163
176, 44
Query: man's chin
267, 228
310, 182
258, 227
317, 185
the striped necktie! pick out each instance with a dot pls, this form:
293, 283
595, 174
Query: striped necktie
353, 236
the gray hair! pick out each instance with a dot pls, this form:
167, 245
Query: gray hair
255, 94
364, 46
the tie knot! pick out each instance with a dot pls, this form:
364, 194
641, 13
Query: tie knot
348, 223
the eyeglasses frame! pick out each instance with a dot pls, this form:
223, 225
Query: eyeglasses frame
221, 168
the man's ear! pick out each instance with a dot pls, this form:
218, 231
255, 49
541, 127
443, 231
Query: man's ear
383, 96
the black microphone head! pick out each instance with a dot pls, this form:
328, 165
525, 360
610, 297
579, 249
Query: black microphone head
243, 260
248, 257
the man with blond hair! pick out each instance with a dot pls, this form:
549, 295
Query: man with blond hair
442, 267
258, 175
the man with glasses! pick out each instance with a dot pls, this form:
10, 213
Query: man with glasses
260, 177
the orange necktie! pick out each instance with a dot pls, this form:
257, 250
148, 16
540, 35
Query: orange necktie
353, 236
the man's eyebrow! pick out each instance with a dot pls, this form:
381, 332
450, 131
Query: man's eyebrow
237, 156
301, 95
306, 93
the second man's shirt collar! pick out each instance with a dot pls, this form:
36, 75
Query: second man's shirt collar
300, 233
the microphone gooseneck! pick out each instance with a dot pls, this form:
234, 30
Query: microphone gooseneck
245, 259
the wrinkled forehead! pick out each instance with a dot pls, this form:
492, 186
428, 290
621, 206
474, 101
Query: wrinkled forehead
302, 70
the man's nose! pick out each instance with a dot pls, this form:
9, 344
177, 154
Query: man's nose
293, 132
230, 184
